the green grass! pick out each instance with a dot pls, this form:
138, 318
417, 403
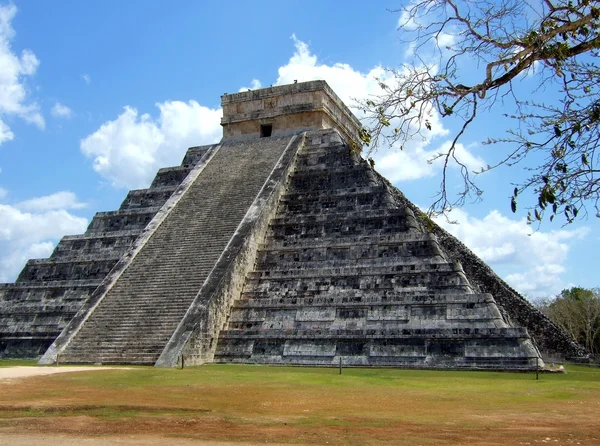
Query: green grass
295, 404
17, 362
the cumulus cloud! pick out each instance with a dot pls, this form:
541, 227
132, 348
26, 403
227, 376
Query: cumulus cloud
25, 235
412, 162
130, 149
5, 133
254, 85
348, 83
408, 21
13, 72
58, 200
416, 161
61, 111
534, 260
86, 78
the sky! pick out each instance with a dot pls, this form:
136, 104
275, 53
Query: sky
96, 96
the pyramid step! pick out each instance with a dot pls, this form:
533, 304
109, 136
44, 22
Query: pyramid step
140, 198
127, 219
396, 270
401, 252
388, 214
170, 176
339, 240
381, 265
156, 289
314, 210
357, 297
395, 333
301, 197
309, 150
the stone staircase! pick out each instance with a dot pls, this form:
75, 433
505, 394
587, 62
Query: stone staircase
137, 316
242, 255
49, 292
345, 273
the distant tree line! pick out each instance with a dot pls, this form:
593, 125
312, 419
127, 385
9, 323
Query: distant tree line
577, 311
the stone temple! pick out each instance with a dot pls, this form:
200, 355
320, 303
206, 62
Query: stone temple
277, 245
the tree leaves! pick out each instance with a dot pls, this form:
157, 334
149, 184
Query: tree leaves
557, 131
577, 311
556, 128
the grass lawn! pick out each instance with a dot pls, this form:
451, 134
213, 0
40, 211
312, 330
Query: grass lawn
309, 405
17, 362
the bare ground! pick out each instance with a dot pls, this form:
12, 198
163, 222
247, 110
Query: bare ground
207, 409
26, 371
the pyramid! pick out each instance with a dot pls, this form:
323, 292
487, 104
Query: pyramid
278, 245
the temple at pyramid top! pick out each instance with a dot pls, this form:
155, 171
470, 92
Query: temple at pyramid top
277, 245
287, 108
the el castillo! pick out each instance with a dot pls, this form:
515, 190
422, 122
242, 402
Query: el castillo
277, 245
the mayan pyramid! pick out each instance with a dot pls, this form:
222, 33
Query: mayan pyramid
278, 245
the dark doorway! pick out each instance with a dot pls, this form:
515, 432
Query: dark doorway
266, 130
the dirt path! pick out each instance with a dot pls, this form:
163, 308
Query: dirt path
247, 405
26, 372
134, 440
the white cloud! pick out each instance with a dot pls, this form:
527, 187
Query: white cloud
415, 161
534, 260
254, 85
5, 133
539, 281
13, 70
408, 21
411, 163
445, 39
13, 260
410, 50
86, 78
348, 83
414, 19
58, 200
3, 193
25, 235
130, 149
61, 111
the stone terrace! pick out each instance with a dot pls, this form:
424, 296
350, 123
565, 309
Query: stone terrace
280, 245
49, 292
137, 316
347, 273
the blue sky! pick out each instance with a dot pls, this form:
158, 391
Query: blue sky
96, 96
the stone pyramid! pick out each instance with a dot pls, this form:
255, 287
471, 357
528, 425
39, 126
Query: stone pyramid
279, 245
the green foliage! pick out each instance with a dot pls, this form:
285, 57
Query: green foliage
577, 311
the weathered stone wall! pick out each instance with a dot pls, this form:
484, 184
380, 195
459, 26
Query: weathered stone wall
297, 106
196, 337
343, 267
81, 318
348, 273
155, 284
281, 124
517, 311
49, 292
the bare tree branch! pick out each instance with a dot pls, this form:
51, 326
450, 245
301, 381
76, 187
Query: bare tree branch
556, 43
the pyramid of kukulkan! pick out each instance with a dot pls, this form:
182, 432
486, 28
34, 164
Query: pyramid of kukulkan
278, 245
